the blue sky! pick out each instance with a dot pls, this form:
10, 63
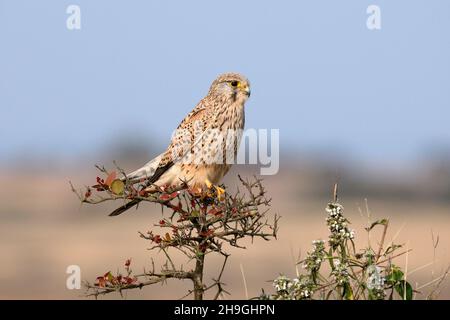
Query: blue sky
137, 67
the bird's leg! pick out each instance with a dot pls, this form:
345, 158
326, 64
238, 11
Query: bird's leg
219, 191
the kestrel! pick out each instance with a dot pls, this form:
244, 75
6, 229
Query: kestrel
200, 147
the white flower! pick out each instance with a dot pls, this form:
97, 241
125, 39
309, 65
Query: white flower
282, 283
336, 262
352, 234
375, 281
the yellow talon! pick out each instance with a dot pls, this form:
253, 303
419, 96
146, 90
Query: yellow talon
219, 191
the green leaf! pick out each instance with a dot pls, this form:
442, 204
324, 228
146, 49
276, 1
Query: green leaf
348, 292
117, 186
195, 214
400, 288
396, 275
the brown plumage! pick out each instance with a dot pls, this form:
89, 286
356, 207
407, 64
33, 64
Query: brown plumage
205, 142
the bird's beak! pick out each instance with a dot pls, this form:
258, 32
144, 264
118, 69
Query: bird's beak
247, 90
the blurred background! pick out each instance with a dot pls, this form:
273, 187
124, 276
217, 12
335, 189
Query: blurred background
366, 108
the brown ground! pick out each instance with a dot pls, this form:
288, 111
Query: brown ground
43, 229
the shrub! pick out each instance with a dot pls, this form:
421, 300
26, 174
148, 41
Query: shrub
335, 269
196, 223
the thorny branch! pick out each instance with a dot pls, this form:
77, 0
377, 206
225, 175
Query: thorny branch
198, 222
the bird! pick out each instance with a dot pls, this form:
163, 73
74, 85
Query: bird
201, 146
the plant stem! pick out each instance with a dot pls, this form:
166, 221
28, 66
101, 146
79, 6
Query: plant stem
200, 259
198, 277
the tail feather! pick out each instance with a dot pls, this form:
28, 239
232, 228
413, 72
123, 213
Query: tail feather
156, 171
125, 207
147, 170
144, 172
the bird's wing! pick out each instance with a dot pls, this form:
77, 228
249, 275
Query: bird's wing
156, 167
193, 127
146, 171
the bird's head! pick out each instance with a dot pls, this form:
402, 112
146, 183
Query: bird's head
231, 85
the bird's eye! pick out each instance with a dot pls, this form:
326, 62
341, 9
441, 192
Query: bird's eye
234, 83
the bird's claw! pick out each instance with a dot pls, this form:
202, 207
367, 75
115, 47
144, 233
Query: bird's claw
219, 192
